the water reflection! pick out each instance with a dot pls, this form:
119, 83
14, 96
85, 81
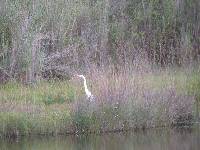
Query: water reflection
153, 139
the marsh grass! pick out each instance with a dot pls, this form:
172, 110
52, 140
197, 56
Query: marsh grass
125, 101
42, 108
122, 101
38, 93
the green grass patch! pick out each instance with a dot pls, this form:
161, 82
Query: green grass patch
44, 92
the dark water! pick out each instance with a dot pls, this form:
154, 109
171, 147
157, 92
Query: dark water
153, 139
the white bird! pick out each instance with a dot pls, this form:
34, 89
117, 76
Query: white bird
87, 92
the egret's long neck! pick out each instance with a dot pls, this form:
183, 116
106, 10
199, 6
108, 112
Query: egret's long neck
85, 85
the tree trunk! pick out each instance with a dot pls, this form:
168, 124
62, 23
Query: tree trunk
104, 31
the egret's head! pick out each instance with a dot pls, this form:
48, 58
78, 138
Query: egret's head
80, 76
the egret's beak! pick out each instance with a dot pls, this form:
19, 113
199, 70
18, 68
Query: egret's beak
75, 76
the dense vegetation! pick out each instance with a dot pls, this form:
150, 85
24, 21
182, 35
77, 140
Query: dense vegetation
122, 102
55, 38
140, 56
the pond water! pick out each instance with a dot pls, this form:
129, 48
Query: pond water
151, 139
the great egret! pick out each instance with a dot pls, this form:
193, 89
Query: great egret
87, 92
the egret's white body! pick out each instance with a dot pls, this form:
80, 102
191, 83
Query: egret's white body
87, 92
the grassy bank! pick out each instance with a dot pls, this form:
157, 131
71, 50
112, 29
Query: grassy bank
122, 101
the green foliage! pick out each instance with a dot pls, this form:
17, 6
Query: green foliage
44, 92
193, 85
82, 122
17, 124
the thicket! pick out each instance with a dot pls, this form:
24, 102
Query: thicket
45, 39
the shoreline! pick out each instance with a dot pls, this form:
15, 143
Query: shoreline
133, 130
